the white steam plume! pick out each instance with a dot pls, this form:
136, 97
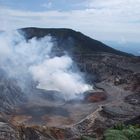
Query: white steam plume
32, 59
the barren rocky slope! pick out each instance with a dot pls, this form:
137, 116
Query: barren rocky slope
116, 77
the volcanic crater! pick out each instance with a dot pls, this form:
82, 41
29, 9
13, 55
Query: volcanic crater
49, 108
46, 115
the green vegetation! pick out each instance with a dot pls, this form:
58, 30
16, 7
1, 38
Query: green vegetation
119, 132
122, 132
87, 138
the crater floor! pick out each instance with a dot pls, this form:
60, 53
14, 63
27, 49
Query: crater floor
45, 108
49, 109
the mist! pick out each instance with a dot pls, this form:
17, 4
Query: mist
32, 61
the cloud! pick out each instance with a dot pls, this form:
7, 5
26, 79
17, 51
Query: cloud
113, 4
31, 63
47, 5
102, 20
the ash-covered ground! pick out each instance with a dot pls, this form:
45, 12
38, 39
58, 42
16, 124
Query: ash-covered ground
36, 113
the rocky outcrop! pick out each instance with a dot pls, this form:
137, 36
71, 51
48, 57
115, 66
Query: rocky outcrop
10, 94
7, 132
133, 99
119, 70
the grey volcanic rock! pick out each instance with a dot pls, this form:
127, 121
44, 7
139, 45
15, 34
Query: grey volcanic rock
115, 73
7, 132
133, 99
10, 93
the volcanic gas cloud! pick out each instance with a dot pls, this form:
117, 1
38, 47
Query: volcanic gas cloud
32, 60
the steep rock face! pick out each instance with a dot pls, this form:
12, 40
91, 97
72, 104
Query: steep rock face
10, 93
7, 132
120, 70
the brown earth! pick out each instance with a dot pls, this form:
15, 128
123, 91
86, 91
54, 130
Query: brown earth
116, 99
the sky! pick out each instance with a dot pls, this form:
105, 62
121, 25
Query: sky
104, 20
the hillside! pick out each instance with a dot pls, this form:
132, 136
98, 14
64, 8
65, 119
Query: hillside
72, 41
28, 112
